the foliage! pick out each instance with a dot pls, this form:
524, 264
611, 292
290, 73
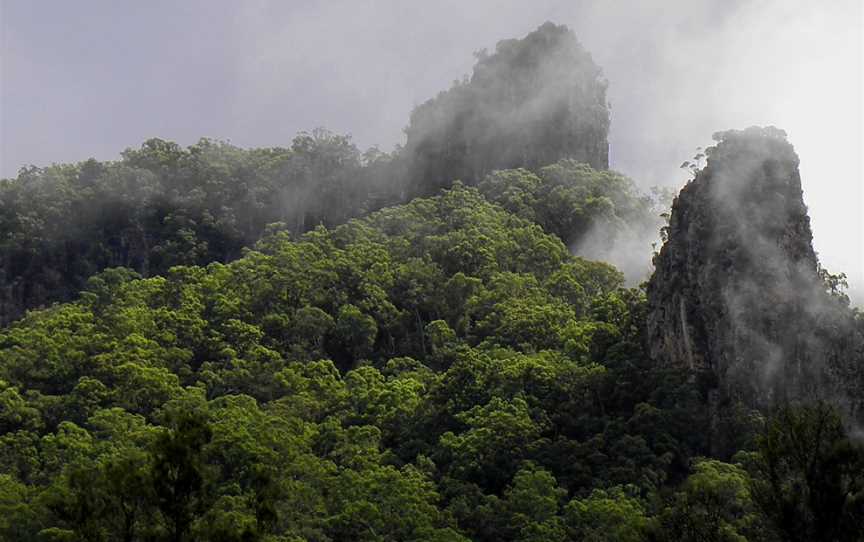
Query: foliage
440, 370
162, 205
571, 200
810, 475
247, 361
533, 102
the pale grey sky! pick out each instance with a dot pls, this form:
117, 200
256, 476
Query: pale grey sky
90, 78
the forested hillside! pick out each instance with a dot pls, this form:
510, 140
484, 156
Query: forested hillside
285, 345
163, 205
430, 353
441, 370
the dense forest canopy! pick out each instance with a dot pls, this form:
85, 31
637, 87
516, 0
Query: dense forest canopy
441, 370
285, 344
163, 205
160, 206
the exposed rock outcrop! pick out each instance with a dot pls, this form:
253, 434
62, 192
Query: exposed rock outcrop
528, 104
738, 296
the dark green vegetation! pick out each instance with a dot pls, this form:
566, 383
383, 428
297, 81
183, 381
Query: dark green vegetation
533, 102
440, 370
162, 205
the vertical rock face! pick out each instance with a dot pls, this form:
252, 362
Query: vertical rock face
737, 296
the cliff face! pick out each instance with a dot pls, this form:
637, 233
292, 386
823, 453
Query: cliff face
737, 295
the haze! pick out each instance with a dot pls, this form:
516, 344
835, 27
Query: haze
92, 78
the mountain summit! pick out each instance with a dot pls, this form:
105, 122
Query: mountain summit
738, 296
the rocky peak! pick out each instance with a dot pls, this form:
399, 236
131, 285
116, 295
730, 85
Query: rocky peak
737, 296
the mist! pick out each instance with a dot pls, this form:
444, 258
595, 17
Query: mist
517, 270
257, 73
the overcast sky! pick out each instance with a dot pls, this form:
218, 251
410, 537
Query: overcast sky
90, 78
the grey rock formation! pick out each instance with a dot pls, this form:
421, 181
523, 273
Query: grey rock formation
530, 103
738, 297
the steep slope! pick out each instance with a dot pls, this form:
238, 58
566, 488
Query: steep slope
738, 296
